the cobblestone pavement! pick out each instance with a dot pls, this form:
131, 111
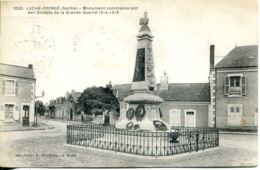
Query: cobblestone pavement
47, 148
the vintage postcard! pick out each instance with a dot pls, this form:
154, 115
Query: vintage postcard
129, 83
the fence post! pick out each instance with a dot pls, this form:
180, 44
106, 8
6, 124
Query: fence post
190, 140
67, 130
197, 141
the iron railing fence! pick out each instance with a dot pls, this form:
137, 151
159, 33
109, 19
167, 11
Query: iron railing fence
142, 142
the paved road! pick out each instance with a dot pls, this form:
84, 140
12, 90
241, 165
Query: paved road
47, 148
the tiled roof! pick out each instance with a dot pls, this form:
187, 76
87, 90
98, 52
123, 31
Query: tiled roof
197, 92
16, 71
241, 56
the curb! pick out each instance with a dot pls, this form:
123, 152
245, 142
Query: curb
20, 130
143, 156
238, 133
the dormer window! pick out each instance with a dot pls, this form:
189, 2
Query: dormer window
235, 85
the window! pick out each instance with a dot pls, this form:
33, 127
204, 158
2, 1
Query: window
235, 85
235, 81
10, 87
190, 113
234, 109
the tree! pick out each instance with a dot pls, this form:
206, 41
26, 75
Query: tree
40, 108
98, 98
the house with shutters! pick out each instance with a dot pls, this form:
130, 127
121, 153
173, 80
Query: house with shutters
17, 94
234, 88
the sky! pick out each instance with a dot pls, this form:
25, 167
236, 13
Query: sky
79, 51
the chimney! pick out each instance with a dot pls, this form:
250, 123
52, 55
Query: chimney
30, 66
109, 85
164, 82
212, 56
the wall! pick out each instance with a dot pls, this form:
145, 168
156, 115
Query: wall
249, 101
201, 111
24, 96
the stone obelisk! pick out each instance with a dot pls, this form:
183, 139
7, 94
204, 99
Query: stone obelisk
143, 104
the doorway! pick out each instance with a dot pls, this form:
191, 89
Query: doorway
175, 117
26, 113
71, 114
235, 115
190, 118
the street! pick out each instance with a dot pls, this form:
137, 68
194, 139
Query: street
47, 148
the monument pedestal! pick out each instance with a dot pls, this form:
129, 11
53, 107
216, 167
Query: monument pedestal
150, 104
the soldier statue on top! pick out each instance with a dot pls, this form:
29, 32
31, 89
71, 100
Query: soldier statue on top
144, 22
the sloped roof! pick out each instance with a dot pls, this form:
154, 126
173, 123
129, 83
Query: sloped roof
122, 91
186, 92
75, 96
241, 56
197, 92
16, 71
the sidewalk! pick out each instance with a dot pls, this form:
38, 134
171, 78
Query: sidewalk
18, 127
61, 120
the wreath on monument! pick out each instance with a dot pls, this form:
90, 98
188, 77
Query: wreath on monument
129, 125
130, 113
159, 125
139, 112
136, 127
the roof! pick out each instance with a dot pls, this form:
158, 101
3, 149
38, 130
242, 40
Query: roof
199, 92
189, 92
75, 96
122, 91
16, 71
241, 56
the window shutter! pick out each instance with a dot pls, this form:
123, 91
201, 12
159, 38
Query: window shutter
226, 86
243, 85
3, 87
16, 88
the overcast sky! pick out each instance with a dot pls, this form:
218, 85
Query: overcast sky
78, 51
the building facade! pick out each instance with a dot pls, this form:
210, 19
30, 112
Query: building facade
235, 86
17, 94
64, 107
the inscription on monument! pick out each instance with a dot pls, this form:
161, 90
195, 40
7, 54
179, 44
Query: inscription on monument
139, 74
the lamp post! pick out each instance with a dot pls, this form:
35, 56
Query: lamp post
36, 105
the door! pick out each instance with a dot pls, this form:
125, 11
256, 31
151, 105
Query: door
9, 112
71, 114
175, 117
235, 115
26, 113
190, 118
